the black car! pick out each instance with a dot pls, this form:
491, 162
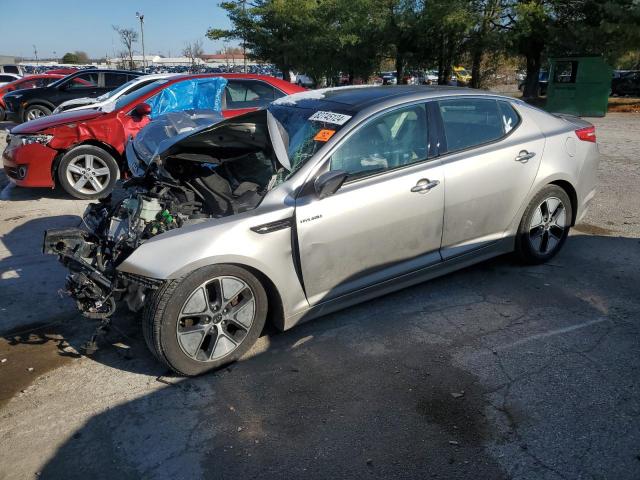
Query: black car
627, 83
34, 103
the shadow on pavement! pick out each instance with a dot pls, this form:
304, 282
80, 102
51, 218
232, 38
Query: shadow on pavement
492, 372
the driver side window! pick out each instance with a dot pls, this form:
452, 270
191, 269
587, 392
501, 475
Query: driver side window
389, 141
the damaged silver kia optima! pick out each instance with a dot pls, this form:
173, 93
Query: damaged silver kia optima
325, 199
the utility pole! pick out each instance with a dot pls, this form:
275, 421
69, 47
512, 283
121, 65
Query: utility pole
144, 59
35, 52
244, 41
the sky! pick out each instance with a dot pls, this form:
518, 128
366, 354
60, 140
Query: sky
67, 25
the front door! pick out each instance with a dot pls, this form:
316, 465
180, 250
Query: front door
491, 161
386, 220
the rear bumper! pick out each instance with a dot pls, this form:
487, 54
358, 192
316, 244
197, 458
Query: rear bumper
29, 165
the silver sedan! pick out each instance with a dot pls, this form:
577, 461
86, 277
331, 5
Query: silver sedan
326, 199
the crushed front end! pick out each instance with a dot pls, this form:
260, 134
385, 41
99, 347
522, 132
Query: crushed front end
107, 235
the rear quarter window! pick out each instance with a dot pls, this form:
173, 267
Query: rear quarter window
472, 122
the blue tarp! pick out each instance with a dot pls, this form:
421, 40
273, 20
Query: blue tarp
193, 94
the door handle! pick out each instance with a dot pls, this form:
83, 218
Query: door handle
525, 156
424, 185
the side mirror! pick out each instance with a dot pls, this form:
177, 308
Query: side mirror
329, 182
142, 110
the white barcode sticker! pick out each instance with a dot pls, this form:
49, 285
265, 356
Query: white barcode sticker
330, 117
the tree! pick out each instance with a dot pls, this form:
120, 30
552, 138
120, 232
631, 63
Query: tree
128, 36
485, 34
556, 27
270, 29
70, 58
82, 56
193, 51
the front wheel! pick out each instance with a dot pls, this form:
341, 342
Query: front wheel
545, 225
88, 172
209, 318
34, 112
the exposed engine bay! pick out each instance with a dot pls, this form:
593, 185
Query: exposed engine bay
221, 170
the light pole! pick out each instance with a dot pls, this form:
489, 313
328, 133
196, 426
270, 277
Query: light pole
35, 52
144, 59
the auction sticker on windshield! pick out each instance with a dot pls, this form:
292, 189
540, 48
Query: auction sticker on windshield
324, 135
330, 117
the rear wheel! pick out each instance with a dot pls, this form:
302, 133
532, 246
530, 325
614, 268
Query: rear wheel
206, 319
87, 172
35, 111
545, 225
2, 114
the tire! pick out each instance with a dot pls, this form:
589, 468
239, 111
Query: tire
87, 172
193, 332
544, 226
35, 111
2, 114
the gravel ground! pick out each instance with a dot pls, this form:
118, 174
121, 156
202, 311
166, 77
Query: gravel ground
497, 371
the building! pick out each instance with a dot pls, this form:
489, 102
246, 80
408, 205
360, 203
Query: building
7, 60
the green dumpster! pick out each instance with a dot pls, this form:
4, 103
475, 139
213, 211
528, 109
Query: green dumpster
579, 86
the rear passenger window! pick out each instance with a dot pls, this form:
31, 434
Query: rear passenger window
510, 119
248, 95
472, 122
114, 80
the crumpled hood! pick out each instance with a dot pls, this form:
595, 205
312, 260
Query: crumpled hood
168, 129
42, 123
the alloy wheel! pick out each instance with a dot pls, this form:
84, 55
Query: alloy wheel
35, 113
88, 174
216, 318
547, 226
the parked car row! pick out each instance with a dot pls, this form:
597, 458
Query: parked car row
82, 149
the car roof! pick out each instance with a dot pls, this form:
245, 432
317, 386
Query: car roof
286, 87
104, 70
357, 98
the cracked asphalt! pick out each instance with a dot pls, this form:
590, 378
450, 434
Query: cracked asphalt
498, 371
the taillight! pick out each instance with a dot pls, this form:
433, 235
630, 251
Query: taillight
587, 134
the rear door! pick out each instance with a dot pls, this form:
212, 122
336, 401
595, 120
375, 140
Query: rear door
490, 160
386, 220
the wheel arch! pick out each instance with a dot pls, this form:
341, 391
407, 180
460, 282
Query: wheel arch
37, 103
573, 196
275, 308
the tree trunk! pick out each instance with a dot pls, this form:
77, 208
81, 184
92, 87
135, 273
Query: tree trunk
476, 60
399, 67
441, 67
534, 60
286, 72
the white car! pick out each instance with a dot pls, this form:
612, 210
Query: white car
8, 78
302, 80
110, 97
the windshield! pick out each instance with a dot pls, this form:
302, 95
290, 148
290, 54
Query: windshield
303, 131
136, 94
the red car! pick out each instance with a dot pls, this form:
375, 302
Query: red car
31, 81
83, 150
